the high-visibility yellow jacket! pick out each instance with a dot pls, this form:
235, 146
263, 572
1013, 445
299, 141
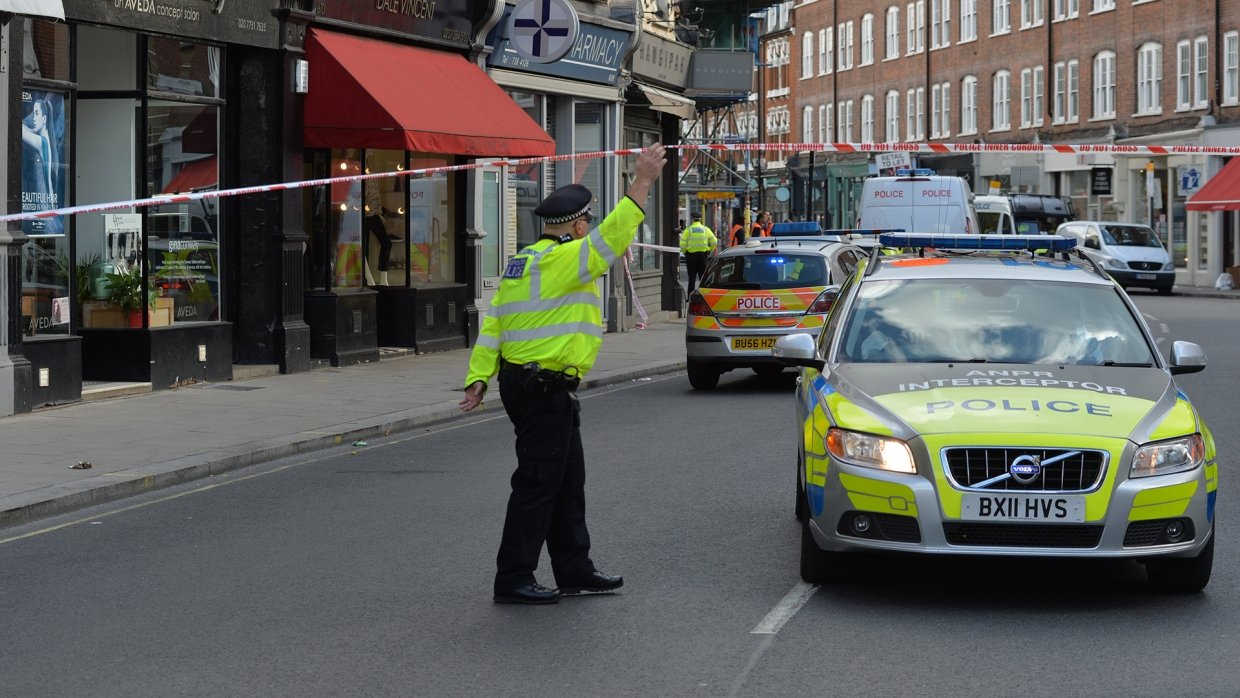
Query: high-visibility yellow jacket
697, 238
548, 307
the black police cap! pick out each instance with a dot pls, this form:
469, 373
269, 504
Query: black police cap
565, 204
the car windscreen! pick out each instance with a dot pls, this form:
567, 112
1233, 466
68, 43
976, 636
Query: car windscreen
1130, 235
991, 321
766, 271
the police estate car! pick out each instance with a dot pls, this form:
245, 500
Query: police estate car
967, 401
754, 293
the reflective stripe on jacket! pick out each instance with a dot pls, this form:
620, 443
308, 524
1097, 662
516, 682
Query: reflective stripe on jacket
548, 307
698, 238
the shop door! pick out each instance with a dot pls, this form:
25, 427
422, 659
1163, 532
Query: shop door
490, 200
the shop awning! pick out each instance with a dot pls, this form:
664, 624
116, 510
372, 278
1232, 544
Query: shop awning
668, 102
1222, 192
366, 93
34, 8
199, 175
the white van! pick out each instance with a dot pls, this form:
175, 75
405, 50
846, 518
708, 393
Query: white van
1129, 252
994, 214
918, 201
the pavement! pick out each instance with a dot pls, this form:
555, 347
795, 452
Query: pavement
136, 440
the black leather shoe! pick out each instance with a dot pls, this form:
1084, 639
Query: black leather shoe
595, 583
528, 594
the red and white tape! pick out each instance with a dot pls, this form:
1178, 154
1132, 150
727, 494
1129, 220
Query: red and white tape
1094, 148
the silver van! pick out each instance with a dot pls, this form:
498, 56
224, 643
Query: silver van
1129, 252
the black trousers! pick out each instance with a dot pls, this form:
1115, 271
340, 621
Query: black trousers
695, 266
374, 225
548, 502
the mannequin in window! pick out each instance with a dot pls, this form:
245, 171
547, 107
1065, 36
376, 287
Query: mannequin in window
375, 226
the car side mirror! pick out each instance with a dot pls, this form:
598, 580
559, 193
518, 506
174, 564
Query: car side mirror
1092, 243
798, 349
1186, 357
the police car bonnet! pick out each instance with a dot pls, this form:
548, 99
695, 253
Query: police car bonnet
565, 204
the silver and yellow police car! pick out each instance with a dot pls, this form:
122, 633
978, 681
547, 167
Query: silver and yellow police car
754, 293
969, 397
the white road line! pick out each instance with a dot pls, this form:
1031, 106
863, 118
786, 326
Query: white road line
785, 609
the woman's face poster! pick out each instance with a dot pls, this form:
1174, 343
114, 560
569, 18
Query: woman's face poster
43, 160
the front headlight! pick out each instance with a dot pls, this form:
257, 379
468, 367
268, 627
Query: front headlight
1113, 263
1164, 457
870, 451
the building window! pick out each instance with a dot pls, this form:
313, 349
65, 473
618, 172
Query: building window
867, 39
844, 121
843, 61
968, 20
1032, 13
867, 119
968, 105
1001, 117
1183, 75
940, 23
910, 119
893, 117
1067, 9
807, 125
1149, 79
1201, 72
1103, 5
1074, 91
921, 113
1059, 98
824, 123
824, 51
807, 55
1032, 89
1002, 21
916, 20
1231, 68
893, 32
1104, 85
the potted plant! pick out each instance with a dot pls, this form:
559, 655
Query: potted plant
125, 290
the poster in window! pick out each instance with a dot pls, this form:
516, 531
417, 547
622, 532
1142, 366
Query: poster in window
43, 160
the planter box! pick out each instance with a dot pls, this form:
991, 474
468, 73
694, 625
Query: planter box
102, 314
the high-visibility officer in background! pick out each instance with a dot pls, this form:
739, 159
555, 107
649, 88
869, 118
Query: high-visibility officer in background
542, 335
697, 242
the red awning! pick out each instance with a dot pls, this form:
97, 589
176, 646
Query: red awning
1222, 192
366, 93
199, 175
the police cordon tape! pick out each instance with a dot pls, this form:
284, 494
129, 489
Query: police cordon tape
1095, 148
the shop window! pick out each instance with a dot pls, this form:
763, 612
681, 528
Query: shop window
525, 183
182, 239
491, 216
182, 68
589, 135
384, 220
45, 266
344, 221
432, 230
644, 258
45, 53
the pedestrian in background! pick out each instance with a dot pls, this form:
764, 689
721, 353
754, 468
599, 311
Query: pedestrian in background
737, 234
761, 225
542, 335
697, 242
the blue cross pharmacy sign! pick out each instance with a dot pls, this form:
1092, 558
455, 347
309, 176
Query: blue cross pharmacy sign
543, 31
1190, 179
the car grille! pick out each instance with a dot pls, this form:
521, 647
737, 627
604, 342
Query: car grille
1022, 535
1077, 473
1145, 266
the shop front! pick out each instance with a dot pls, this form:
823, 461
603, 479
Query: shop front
390, 257
577, 101
654, 110
120, 103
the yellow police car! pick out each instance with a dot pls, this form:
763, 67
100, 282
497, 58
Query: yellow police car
752, 294
969, 399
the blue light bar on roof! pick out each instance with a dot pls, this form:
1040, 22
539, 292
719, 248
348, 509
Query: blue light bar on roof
941, 241
915, 172
862, 231
793, 228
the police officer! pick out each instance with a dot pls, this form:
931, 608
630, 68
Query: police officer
697, 242
542, 335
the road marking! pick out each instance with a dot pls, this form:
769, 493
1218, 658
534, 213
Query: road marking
785, 609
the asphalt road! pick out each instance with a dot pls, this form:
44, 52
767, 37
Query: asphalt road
367, 571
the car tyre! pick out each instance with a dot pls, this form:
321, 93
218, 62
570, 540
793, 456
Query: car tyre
1182, 575
1164, 290
702, 377
767, 370
818, 566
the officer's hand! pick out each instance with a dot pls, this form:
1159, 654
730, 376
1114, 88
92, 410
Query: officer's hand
473, 396
651, 161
